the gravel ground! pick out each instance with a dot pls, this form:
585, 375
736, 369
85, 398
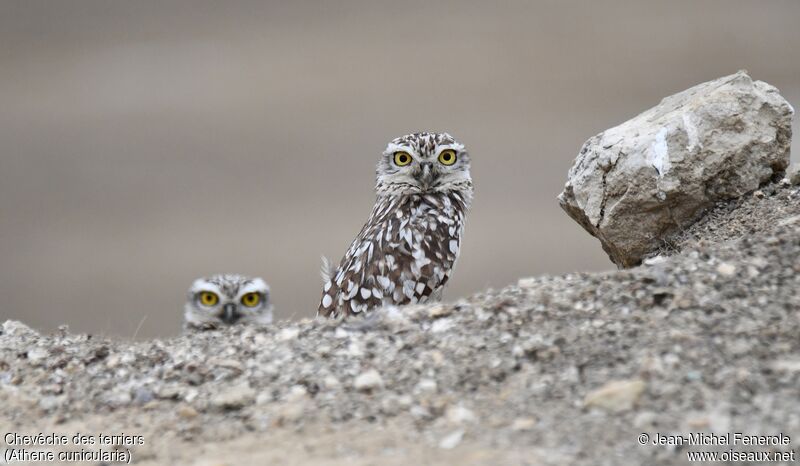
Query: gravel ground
753, 214
551, 370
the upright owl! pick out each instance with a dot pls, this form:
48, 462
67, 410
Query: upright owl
406, 251
223, 300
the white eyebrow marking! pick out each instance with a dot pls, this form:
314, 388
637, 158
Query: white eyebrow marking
391, 148
458, 147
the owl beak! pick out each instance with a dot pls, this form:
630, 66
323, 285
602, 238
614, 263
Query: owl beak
230, 313
426, 175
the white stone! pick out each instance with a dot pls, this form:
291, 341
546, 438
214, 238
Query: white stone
451, 440
616, 396
330, 382
234, 397
426, 386
442, 325
16, 328
523, 424
297, 392
458, 415
368, 381
289, 333
726, 270
37, 354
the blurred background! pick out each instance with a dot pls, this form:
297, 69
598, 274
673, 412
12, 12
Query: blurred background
146, 143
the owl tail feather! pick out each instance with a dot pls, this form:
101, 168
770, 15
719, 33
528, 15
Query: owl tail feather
327, 270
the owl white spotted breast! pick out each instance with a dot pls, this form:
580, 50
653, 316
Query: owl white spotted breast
406, 251
223, 300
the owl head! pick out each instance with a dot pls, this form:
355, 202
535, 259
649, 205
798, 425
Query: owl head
422, 163
227, 300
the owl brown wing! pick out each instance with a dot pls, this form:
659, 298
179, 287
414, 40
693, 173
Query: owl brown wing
350, 269
404, 257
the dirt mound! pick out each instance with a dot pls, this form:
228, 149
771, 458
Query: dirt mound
551, 370
757, 213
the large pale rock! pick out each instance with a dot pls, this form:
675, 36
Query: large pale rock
633, 185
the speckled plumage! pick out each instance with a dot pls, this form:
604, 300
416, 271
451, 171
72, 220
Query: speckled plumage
229, 309
406, 251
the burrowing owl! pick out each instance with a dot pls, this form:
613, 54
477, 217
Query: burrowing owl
409, 245
226, 300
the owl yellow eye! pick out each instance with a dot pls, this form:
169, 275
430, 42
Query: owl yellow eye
251, 299
401, 159
447, 157
208, 298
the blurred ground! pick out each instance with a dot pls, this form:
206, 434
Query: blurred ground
145, 143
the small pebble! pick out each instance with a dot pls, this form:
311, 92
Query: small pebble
451, 440
368, 381
523, 424
726, 270
289, 333
458, 415
187, 412
616, 396
235, 397
439, 310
